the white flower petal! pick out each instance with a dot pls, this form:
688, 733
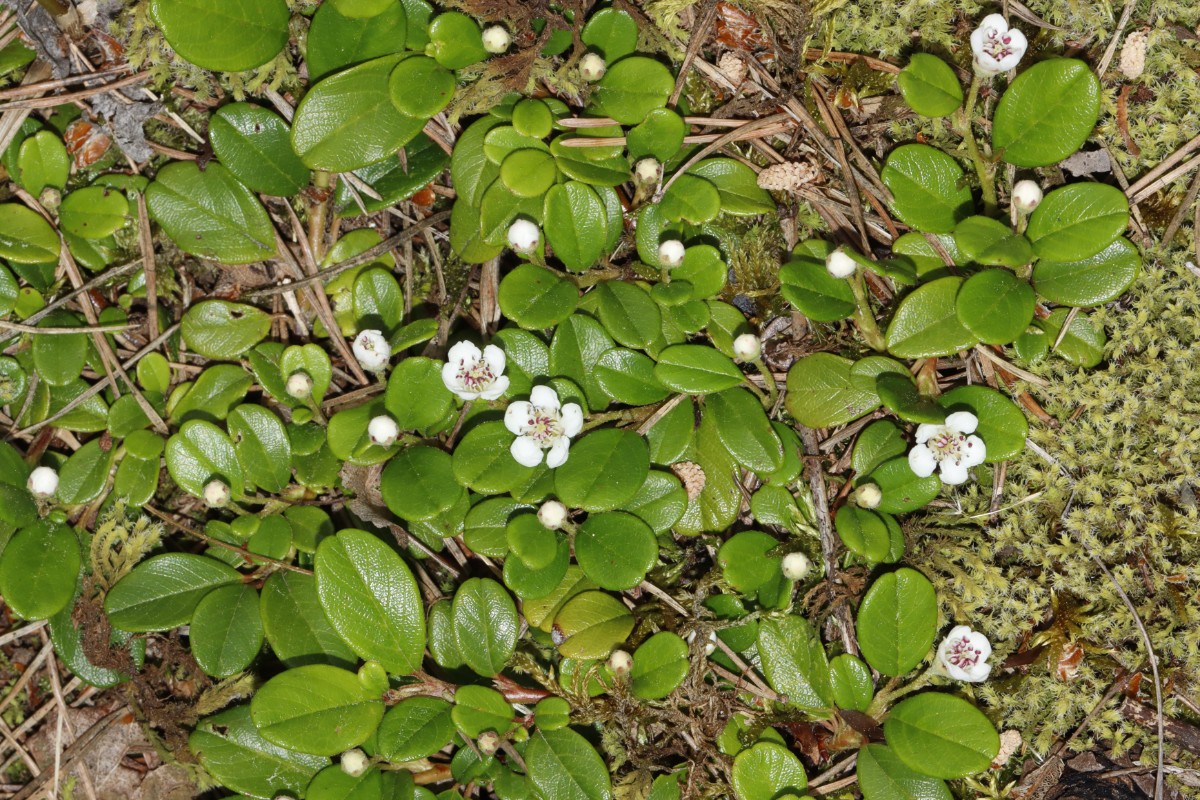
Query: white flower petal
498, 387
978, 673
995, 22
463, 353
957, 673
962, 422
953, 473
926, 430
557, 455
572, 420
494, 357
957, 632
526, 451
921, 461
544, 397
516, 416
450, 377
974, 451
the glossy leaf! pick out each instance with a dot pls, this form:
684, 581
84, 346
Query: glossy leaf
575, 225
1078, 221
995, 306
1047, 113
562, 765
233, 751
210, 214
926, 323
222, 330
820, 393
255, 144
930, 86
318, 709
604, 470
793, 660
225, 35
897, 621
928, 188
162, 592
1090, 281
768, 771
941, 735
485, 625
39, 567
659, 665
25, 237
615, 549
883, 776
226, 631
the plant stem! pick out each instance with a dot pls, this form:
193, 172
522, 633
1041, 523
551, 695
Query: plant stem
769, 381
987, 179
864, 316
887, 696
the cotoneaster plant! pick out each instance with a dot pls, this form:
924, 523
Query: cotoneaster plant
537, 561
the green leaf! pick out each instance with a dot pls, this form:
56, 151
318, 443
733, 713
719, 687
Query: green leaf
744, 428
213, 395
660, 135
928, 187
225, 35
226, 631
1047, 113
793, 660
470, 170
419, 483
820, 393
930, 86
362, 8
575, 224
230, 747
807, 284
628, 377
25, 237
659, 665
941, 735
317, 709
483, 461
768, 771
883, 776
995, 305
397, 178
201, 452
988, 241
562, 765
604, 470
456, 41
737, 185
690, 199
863, 532
485, 625
852, 684
632, 88
1078, 221
615, 550
417, 398
255, 144
611, 33
926, 323
42, 161
479, 708
313, 362
696, 369
591, 624
414, 728
348, 120
60, 358
897, 621
704, 268
528, 172
579, 164
336, 41
210, 214
532, 117
744, 562
223, 330
295, 624
83, 477
899, 394
1002, 425
628, 313
903, 490
1083, 343
262, 446
39, 568
371, 599
162, 592
420, 87
1090, 281
93, 212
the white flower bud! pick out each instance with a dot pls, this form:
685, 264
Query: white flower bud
217, 494
840, 265
647, 171
523, 236
747, 347
488, 743
795, 566
284, 797
868, 495
496, 39
552, 514
299, 385
620, 662
592, 67
671, 252
372, 351
1026, 196
354, 762
42, 483
383, 430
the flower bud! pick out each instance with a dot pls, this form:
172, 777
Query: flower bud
383, 430
620, 663
747, 347
647, 171
840, 265
488, 743
868, 495
523, 236
42, 483
299, 385
496, 39
217, 494
592, 67
50, 198
671, 253
552, 514
795, 566
1026, 196
372, 351
709, 646
354, 762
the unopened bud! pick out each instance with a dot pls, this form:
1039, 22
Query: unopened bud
217, 494
671, 252
299, 385
868, 495
383, 430
620, 663
372, 350
647, 171
839, 264
488, 743
1026, 196
354, 762
747, 347
795, 566
42, 483
552, 514
496, 39
523, 236
592, 67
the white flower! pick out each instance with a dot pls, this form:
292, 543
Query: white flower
542, 424
868, 495
647, 171
795, 566
299, 385
217, 494
671, 252
372, 350
523, 236
354, 762
1026, 195
620, 662
474, 374
42, 483
997, 48
949, 446
963, 655
592, 67
747, 347
496, 39
839, 264
383, 430
552, 514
